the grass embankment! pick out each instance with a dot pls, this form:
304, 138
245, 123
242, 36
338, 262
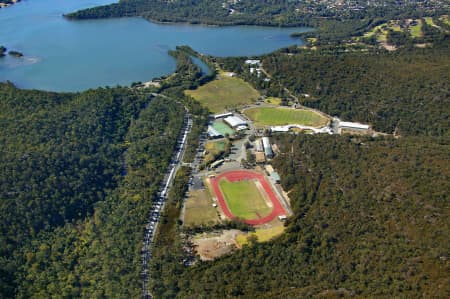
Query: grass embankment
244, 199
267, 116
273, 101
224, 93
199, 209
215, 150
262, 235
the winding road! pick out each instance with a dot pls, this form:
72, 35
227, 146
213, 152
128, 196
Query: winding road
160, 200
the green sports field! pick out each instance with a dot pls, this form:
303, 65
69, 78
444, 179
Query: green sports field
268, 116
222, 128
244, 199
224, 93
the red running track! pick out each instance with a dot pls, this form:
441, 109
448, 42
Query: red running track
238, 175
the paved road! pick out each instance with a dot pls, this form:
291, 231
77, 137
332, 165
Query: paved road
159, 202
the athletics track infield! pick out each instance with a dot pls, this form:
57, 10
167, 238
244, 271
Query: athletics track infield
238, 175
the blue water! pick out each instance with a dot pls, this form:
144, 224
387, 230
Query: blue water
64, 55
203, 66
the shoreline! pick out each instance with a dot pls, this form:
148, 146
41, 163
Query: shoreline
310, 28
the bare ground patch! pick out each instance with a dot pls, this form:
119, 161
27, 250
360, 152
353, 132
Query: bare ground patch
199, 209
213, 245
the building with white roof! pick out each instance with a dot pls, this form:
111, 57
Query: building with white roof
213, 133
352, 125
253, 62
267, 148
259, 145
223, 115
286, 128
236, 122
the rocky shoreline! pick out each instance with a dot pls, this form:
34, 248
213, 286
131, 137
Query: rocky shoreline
6, 3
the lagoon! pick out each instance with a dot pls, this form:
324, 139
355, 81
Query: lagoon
63, 55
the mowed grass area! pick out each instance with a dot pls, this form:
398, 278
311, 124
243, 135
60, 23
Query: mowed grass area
268, 116
381, 31
263, 234
199, 209
416, 30
226, 92
273, 101
216, 146
244, 199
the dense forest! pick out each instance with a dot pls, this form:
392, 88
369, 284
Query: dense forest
75, 169
371, 220
100, 257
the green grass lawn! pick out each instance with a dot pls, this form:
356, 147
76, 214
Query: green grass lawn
416, 30
199, 209
227, 92
283, 116
216, 146
381, 31
273, 101
244, 199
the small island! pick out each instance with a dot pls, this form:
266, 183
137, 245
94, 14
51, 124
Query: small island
4, 50
15, 53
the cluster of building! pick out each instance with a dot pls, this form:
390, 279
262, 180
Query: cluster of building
254, 66
339, 8
336, 127
233, 121
263, 150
